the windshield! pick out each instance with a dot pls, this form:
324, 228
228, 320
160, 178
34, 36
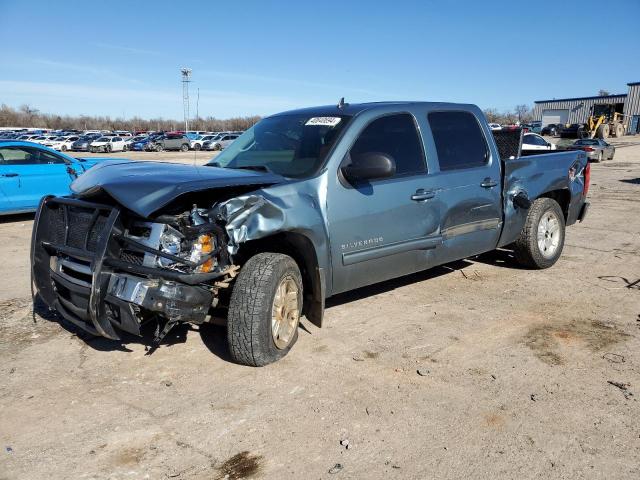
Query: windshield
290, 145
103, 139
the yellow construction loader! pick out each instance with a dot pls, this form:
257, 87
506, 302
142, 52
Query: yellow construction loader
605, 121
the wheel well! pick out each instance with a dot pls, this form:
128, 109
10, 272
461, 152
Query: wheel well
562, 197
301, 249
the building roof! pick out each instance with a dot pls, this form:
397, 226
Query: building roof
582, 98
633, 83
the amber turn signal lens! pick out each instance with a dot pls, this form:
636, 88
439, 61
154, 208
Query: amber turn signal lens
206, 247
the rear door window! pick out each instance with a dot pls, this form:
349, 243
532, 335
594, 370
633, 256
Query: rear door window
459, 140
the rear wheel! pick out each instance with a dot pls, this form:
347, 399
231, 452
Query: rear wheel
619, 130
197, 146
599, 156
125, 148
217, 147
158, 148
541, 241
264, 311
108, 148
63, 148
184, 147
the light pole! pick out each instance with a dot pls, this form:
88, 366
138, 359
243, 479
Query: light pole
186, 79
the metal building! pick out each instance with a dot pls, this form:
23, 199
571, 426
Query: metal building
577, 110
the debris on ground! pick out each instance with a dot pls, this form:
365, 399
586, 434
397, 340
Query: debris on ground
336, 468
613, 357
9, 449
167, 383
344, 442
534, 397
624, 387
423, 372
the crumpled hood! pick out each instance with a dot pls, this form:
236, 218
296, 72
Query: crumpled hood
145, 187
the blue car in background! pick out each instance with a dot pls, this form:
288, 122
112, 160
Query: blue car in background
29, 171
140, 145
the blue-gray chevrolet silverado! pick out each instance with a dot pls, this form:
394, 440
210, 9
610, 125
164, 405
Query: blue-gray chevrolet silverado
304, 205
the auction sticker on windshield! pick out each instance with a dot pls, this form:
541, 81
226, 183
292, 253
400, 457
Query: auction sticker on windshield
324, 121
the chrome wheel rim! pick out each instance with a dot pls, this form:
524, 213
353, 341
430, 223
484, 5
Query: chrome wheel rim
285, 313
548, 234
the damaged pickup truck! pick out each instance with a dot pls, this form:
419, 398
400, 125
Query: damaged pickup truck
304, 205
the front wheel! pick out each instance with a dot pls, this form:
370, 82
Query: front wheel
63, 148
108, 148
197, 146
184, 147
264, 311
541, 241
217, 147
125, 148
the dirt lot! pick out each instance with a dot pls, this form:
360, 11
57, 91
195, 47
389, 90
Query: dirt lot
516, 371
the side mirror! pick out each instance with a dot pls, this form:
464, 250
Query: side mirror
369, 166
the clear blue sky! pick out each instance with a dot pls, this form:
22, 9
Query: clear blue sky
261, 57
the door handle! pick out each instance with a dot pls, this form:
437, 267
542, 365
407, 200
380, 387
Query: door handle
488, 183
9, 174
422, 195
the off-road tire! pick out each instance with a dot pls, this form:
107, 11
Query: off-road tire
526, 247
250, 309
603, 131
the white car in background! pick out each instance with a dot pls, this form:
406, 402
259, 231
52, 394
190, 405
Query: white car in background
44, 139
533, 141
62, 143
495, 126
27, 138
196, 144
108, 144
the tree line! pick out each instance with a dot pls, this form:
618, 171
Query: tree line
28, 117
520, 113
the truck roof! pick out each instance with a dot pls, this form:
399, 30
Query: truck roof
355, 108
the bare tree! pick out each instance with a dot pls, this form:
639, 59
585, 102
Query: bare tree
492, 115
27, 116
523, 113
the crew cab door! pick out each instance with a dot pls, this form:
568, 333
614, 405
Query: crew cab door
388, 227
469, 184
27, 174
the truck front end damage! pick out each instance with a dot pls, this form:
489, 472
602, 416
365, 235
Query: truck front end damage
106, 269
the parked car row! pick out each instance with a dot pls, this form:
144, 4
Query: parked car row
121, 141
534, 127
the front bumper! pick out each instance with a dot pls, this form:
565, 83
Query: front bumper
81, 270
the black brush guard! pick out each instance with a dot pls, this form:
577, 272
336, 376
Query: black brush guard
75, 251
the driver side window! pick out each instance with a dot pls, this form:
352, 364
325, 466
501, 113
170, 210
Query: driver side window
396, 136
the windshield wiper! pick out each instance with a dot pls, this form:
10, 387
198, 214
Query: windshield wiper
256, 168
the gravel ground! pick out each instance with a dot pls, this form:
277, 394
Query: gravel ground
477, 369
